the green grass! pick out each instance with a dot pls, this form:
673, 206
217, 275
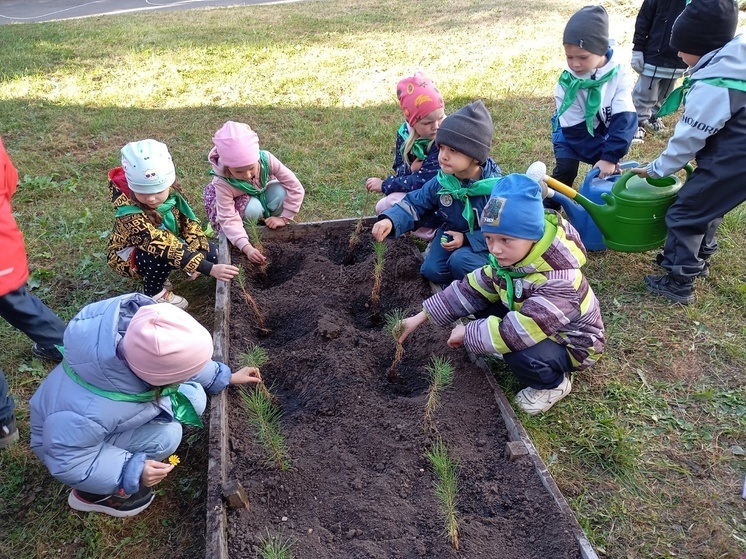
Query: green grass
642, 448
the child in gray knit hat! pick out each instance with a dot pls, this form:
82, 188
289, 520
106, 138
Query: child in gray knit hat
455, 196
595, 119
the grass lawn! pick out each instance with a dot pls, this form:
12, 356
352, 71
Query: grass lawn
649, 448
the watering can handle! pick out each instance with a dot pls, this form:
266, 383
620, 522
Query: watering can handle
689, 168
560, 187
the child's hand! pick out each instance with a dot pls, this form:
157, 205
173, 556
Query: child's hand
275, 222
457, 240
409, 325
605, 168
416, 165
640, 171
245, 375
225, 272
194, 275
373, 184
457, 336
381, 229
254, 255
154, 472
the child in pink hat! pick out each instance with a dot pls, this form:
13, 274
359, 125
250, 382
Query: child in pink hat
249, 184
105, 420
416, 155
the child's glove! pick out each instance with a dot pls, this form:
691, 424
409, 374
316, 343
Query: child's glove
638, 61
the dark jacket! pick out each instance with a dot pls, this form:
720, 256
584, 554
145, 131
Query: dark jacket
653, 32
404, 180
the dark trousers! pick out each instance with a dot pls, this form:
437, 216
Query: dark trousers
541, 366
155, 270
7, 405
30, 315
693, 220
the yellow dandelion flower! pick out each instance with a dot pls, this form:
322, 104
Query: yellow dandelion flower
173, 460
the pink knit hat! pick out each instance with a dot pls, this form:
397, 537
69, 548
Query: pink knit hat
165, 345
237, 144
418, 97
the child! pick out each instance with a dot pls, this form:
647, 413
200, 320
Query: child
21, 309
248, 184
542, 315
456, 196
103, 420
657, 63
155, 230
595, 118
416, 154
712, 131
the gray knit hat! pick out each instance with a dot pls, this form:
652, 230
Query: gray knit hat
588, 28
468, 130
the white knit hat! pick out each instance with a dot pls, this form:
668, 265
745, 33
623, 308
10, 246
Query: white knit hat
148, 166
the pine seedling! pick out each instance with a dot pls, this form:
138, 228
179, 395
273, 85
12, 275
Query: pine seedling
264, 416
250, 301
358, 230
257, 356
446, 487
379, 248
275, 547
252, 229
394, 325
441, 377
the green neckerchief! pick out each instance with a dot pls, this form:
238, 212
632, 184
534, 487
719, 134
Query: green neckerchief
169, 219
451, 185
181, 406
420, 147
678, 96
572, 84
245, 186
508, 276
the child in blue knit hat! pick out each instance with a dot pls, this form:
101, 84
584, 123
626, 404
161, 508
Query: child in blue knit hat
534, 306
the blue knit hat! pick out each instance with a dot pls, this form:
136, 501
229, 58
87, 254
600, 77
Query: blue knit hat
515, 209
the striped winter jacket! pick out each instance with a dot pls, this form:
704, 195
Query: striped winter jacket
553, 300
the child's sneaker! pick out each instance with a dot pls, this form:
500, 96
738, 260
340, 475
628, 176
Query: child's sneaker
51, 353
676, 290
120, 505
166, 296
655, 125
534, 400
639, 136
8, 432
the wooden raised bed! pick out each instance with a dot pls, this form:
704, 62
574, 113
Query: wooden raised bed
357, 493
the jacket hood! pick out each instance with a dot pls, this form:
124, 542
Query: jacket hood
726, 62
91, 340
214, 158
559, 249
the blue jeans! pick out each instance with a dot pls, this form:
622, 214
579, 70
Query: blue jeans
442, 266
7, 405
160, 438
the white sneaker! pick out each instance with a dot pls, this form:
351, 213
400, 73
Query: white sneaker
639, 136
166, 296
533, 400
655, 125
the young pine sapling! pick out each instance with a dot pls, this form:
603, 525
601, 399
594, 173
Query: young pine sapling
441, 377
257, 356
446, 487
394, 326
251, 302
379, 248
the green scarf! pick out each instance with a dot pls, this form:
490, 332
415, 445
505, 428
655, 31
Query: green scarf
420, 147
452, 186
244, 186
508, 276
169, 219
572, 84
180, 405
678, 96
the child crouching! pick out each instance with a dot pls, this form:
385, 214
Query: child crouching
542, 316
133, 372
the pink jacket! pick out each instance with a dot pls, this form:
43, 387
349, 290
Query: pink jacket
13, 264
230, 221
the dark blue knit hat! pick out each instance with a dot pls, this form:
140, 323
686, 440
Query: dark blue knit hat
515, 209
704, 26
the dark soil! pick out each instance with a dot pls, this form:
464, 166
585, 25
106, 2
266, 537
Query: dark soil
360, 484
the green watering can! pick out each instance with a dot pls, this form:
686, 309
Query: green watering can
633, 217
